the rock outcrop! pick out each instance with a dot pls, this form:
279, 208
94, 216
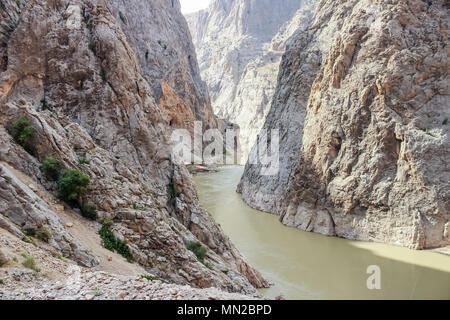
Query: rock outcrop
239, 45
362, 106
94, 79
54, 278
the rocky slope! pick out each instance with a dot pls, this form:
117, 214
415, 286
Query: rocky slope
54, 278
90, 79
239, 45
362, 105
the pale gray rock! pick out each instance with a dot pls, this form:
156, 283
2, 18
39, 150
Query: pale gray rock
20, 206
239, 45
77, 71
363, 107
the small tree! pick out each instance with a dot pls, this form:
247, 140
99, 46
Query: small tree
199, 250
72, 185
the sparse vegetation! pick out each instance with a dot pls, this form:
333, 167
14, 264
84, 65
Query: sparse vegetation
89, 211
31, 232
172, 194
162, 44
58, 256
44, 105
92, 47
3, 259
72, 185
114, 244
103, 74
43, 234
29, 262
28, 239
428, 132
198, 249
107, 222
22, 132
122, 17
51, 168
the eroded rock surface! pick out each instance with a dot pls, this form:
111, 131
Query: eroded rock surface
363, 107
88, 79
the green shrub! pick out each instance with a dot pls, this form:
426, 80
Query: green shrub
31, 232
72, 184
89, 211
44, 105
113, 244
22, 133
51, 168
43, 234
103, 74
29, 262
198, 249
84, 160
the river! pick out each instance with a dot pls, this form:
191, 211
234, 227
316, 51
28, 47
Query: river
303, 265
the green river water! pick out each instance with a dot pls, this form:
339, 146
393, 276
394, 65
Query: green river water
304, 265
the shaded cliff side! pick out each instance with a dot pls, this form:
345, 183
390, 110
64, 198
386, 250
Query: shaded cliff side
363, 106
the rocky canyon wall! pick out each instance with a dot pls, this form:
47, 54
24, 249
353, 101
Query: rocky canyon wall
362, 104
239, 45
97, 82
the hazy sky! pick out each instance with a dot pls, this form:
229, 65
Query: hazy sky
188, 6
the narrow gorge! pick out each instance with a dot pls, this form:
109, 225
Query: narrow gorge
346, 101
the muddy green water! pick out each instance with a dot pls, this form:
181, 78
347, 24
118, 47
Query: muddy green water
304, 265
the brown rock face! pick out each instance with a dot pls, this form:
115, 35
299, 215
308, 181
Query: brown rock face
76, 72
363, 109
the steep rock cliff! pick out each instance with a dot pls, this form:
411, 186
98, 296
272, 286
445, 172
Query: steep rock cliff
239, 45
363, 106
78, 72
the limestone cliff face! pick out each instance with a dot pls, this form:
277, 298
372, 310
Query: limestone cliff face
363, 107
98, 81
239, 45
